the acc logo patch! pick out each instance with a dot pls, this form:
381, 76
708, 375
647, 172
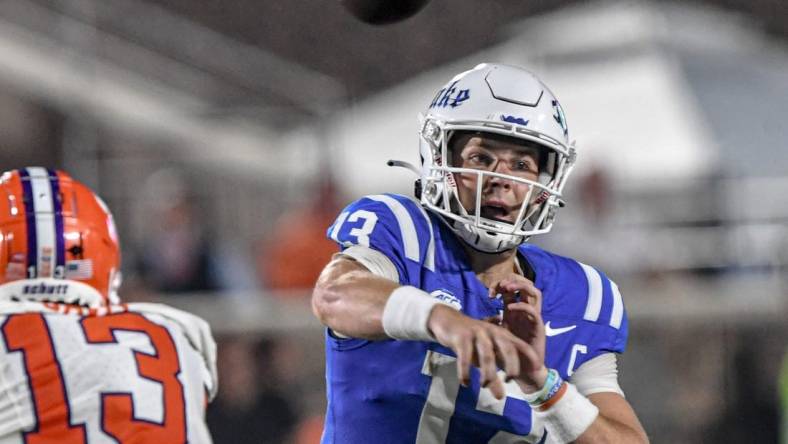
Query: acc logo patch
447, 298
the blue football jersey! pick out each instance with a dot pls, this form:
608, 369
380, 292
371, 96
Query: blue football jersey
408, 391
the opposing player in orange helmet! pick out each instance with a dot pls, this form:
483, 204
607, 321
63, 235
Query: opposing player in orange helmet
80, 367
53, 228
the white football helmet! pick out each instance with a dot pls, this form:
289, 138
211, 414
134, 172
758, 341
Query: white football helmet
504, 100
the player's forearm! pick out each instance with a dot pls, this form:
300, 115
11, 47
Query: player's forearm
609, 431
604, 417
350, 300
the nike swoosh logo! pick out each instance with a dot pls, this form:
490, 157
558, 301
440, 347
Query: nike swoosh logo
549, 331
544, 438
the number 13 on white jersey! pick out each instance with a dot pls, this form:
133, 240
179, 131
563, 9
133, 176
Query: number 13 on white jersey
120, 378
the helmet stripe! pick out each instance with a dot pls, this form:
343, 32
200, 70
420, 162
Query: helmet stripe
57, 207
30, 221
41, 190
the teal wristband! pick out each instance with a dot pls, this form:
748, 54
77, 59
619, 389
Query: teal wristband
551, 386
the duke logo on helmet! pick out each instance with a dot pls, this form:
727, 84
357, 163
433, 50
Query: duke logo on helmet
450, 96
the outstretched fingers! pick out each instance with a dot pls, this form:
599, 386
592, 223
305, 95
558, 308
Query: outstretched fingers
487, 347
487, 363
464, 350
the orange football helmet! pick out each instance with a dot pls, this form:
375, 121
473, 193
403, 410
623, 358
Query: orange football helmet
57, 240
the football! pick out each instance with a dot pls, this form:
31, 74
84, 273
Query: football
383, 12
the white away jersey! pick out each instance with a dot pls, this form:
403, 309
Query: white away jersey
140, 373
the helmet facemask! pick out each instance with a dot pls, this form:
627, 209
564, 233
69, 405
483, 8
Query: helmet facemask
440, 192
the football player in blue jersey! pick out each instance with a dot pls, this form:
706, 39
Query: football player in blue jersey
443, 324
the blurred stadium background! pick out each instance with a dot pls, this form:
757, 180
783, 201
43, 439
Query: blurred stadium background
225, 137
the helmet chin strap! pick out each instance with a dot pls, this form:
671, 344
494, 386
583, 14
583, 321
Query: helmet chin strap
480, 239
483, 241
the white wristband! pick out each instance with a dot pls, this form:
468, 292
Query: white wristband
570, 416
406, 313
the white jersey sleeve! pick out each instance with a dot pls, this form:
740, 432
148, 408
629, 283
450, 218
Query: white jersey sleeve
597, 375
130, 373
